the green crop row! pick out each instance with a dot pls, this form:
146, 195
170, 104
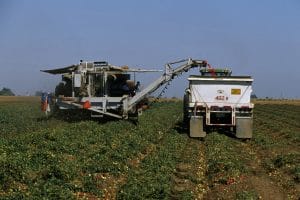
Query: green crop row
21, 118
70, 156
64, 160
151, 180
276, 135
224, 159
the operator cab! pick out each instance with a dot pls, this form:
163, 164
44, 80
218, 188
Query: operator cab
119, 84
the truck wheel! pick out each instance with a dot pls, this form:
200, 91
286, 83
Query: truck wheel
196, 127
185, 109
244, 126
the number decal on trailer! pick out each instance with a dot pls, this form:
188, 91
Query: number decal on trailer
235, 91
221, 98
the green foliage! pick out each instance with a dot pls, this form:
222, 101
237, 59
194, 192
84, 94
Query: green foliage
62, 156
296, 173
247, 195
276, 132
223, 158
55, 158
283, 160
152, 179
21, 118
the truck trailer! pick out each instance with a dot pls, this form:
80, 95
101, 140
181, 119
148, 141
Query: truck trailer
216, 99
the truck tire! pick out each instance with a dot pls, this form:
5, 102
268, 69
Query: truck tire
244, 127
196, 127
185, 109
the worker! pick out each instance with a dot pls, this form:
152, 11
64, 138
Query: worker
137, 86
46, 100
125, 88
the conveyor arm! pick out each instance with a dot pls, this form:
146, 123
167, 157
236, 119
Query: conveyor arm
170, 73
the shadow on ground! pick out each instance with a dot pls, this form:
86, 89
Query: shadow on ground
74, 116
181, 127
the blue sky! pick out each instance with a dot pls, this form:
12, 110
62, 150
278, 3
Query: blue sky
258, 37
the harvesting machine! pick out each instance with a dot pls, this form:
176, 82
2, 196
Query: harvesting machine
216, 99
108, 90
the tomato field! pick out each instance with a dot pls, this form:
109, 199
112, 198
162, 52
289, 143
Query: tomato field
70, 156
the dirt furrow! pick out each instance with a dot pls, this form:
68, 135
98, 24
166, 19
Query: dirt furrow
189, 177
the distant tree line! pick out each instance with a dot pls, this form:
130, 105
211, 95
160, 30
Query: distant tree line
6, 92
38, 93
253, 96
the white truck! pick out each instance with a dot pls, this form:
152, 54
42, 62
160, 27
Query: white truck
215, 99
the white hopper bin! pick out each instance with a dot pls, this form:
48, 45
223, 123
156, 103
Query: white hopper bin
219, 101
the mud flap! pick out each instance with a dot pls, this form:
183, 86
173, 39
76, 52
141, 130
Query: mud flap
196, 127
244, 127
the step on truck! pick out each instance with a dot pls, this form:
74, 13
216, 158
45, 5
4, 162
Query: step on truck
216, 99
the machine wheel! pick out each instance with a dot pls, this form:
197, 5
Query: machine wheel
134, 117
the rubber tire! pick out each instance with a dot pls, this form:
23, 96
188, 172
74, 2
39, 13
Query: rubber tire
186, 118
